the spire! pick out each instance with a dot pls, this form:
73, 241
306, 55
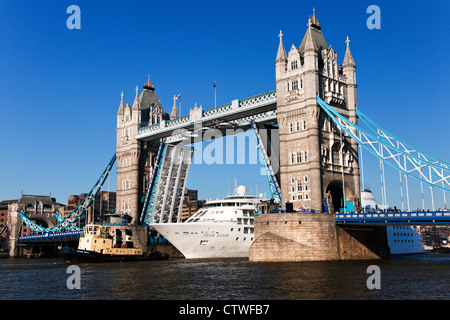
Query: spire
348, 59
174, 113
136, 99
313, 37
313, 20
309, 42
149, 85
121, 107
281, 55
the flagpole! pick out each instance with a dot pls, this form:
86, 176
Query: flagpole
178, 97
215, 95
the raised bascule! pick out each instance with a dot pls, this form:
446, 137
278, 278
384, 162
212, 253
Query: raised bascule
308, 134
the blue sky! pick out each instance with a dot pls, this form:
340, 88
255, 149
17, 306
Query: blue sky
60, 88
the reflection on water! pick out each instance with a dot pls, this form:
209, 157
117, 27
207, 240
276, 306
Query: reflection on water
424, 276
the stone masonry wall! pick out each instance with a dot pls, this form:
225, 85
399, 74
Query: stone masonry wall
294, 237
313, 237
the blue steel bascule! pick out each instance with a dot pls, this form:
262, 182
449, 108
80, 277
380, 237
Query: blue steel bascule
264, 146
67, 223
165, 193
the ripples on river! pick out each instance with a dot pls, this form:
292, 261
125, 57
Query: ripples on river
409, 277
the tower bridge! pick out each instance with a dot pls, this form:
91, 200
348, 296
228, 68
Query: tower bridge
317, 155
311, 146
314, 110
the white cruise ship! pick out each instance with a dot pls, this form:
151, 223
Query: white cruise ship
401, 239
223, 228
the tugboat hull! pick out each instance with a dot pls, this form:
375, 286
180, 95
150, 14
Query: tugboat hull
70, 255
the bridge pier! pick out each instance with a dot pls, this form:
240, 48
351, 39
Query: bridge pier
314, 237
36, 208
14, 223
363, 242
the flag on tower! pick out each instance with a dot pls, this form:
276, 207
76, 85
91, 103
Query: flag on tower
178, 97
215, 95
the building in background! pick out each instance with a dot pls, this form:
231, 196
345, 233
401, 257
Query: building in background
104, 205
430, 237
191, 204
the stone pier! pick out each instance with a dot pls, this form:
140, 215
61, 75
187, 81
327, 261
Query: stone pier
314, 237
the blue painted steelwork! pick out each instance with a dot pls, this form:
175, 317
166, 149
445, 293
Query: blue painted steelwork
70, 227
425, 168
149, 199
3, 229
51, 236
67, 223
158, 240
395, 218
388, 136
272, 180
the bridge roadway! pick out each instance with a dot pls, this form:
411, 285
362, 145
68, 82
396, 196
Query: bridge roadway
239, 113
385, 218
51, 236
395, 218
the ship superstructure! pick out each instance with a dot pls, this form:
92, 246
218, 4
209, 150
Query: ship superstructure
222, 228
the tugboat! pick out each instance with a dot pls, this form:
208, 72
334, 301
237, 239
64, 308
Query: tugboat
102, 243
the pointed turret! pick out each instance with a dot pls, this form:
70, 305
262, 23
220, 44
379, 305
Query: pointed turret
136, 100
313, 37
281, 60
281, 55
174, 113
121, 106
309, 42
349, 71
348, 59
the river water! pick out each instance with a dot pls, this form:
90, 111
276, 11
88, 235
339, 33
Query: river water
425, 276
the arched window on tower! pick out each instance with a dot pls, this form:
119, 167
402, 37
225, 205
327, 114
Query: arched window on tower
336, 153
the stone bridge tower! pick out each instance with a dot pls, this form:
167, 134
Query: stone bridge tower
135, 159
316, 163
40, 209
